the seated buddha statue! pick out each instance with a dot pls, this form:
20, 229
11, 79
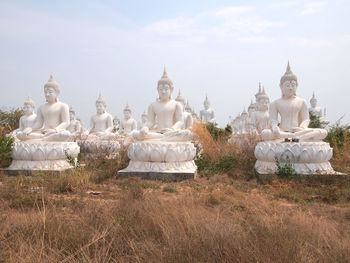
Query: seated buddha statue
28, 119
129, 124
75, 127
260, 117
165, 116
293, 112
52, 117
207, 114
102, 123
314, 109
144, 120
187, 116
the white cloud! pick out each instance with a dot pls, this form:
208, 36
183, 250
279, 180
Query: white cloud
312, 8
312, 43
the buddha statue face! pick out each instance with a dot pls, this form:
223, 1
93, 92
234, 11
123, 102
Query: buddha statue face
289, 88
164, 91
116, 121
50, 94
127, 114
206, 104
28, 109
100, 107
313, 103
263, 104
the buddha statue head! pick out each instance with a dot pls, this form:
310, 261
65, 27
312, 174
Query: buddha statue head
313, 101
144, 117
263, 101
127, 112
244, 114
181, 99
251, 108
288, 83
71, 113
52, 90
165, 87
188, 108
116, 120
206, 103
28, 106
101, 105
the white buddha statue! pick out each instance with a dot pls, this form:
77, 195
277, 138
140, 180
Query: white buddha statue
187, 116
128, 124
251, 110
260, 117
314, 109
52, 118
144, 120
102, 123
116, 124
207, 114
75, 127
165, 116
293, 112
28, 119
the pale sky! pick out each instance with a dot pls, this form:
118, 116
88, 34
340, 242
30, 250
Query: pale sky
219, 48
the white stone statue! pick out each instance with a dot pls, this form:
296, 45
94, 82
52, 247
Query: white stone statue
128, 124
52, 119
260, 117
28, 119
187, 116
207, 114
314, 109
116, 124
44, 145
74, 127
293, 112
102, 122
163, 150
289, 139
144, 120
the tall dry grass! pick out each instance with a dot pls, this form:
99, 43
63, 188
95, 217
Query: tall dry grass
186, 228
341, 154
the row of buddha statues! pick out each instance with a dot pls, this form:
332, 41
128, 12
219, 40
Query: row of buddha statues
161, 145
257, 118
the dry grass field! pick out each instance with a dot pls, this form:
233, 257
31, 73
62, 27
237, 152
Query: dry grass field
225, 215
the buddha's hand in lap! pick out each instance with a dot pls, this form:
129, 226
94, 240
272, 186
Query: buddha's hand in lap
166, 130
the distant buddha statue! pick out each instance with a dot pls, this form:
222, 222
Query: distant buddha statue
165, 116
293, 113
314, 109
260, 117
102, 123
207, 114
187, 116
52, 119
116, 124
244, 122
128, 124
251, 110
75, 127
28, 119
144, 120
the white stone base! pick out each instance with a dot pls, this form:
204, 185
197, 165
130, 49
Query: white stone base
46, 156
161, 157
92, 149
305, 157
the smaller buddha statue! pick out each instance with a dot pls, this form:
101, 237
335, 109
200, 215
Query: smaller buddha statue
116, 124
52, 119
28, 119
75, 127
293, 112
128, 124
188, 120
102, 123
144, 120
244, 122
251, 110
260, 117
207, 114
188, 116
314, 109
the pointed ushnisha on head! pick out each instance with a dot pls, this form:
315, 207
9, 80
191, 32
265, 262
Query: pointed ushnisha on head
262, 95
165, 80
29, 102
127, 108
101, 100
259, 91
52, 83
180, 98
313, 98
288, 76
251, 106
206, 101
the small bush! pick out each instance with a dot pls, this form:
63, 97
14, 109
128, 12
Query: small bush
224, 164
5, 151
217, 132
9, 120
169, 189
285, 170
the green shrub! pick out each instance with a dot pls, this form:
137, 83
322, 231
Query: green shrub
316, 121
285, 170
10, 119
217, 132
224, 164
337, 134
5, 151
